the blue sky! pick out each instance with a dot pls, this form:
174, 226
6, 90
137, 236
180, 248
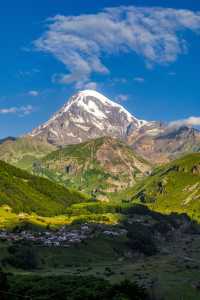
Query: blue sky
146, 57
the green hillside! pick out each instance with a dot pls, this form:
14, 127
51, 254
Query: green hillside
98, 166
24, 192
173, 187
22, 152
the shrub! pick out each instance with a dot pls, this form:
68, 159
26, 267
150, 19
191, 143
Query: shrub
23, 257
141, 239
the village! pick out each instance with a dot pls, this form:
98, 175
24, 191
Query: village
63, 237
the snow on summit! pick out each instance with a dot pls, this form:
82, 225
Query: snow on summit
104, 100
88, 114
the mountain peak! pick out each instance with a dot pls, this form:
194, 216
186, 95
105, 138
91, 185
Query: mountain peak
88, 114
93, 93
89, 97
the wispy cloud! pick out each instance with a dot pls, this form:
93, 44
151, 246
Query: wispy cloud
122, 98
27, 73
91, 85
21, 111
191, 121
33, 93
79, 42
139, 79
120, 80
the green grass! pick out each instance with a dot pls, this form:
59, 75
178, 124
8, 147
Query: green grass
24, 151
101, 164
170, 274
24, 192
10, 220
174, 187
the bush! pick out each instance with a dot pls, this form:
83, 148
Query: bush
4, 286
22, 256
141, 239
75, 288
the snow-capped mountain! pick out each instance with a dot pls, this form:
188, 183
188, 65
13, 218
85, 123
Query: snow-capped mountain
88, 115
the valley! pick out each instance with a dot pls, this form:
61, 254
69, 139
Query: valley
107, 252
100, 150
118, 200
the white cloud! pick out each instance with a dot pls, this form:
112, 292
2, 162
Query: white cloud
119, 80
80, 42
139, 79
33, 93
191, 121
81, 82
121, 98
26, 73
21, 111
91, 85
11, 110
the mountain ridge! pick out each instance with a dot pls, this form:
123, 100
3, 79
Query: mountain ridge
90, 115
170, 143
174, 187
22, 152
102, 165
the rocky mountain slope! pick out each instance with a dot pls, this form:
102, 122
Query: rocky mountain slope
22, 152
160, 143
174, 187
100, 165
89, 115
85, 116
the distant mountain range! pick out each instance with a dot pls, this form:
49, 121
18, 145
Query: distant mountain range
110, 148
93, 149
23, 151
9, 138
163, 144
89, 115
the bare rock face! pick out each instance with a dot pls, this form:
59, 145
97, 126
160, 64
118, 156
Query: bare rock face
85, 116
196, 169
160, 143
